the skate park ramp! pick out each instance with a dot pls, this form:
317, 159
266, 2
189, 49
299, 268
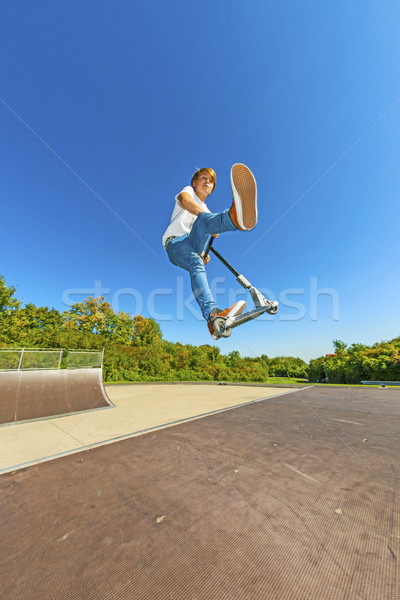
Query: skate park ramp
291, 498
31, 393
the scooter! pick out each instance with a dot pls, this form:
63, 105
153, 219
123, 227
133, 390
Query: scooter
223, 325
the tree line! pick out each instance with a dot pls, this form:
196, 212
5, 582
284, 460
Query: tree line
134, 347
136, 351
357, 362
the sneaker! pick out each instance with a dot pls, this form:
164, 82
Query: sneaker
233, 311
243, 211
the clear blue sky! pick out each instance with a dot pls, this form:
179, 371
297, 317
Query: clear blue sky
107, 109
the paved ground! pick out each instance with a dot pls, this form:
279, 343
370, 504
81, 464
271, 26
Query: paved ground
292, 498
137, 408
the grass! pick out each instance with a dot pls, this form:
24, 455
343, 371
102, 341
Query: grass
286, 380
269, 380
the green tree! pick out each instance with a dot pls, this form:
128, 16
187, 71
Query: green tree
95, 315
12, 320
233, 358
41, 326
358, 362
316, 369
145, 331
340, 347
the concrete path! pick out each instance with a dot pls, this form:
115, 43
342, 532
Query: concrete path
139, 408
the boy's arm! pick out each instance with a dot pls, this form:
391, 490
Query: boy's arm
189, 204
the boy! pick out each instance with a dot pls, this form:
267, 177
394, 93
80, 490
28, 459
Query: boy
192, 223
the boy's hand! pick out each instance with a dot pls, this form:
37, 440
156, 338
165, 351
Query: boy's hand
206, 259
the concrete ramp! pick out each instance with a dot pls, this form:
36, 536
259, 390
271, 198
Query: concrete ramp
45, 393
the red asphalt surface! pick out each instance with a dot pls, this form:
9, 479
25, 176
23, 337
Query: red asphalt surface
292, 498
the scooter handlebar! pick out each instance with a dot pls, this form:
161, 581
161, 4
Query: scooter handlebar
210, 243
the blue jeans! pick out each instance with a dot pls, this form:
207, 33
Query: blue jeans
184, 251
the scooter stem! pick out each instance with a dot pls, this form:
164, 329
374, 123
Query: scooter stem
209, 248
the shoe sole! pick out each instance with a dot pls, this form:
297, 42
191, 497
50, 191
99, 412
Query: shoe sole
236, 311
244, 191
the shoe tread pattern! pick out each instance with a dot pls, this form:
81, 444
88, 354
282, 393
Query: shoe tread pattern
246, 187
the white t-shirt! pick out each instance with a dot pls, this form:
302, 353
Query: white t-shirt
182, 220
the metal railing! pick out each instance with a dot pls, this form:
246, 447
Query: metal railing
32, 359
381, 383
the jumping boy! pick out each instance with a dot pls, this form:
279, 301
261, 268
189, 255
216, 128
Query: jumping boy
192, 223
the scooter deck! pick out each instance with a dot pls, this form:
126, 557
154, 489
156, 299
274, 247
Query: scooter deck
223, 325
232, 322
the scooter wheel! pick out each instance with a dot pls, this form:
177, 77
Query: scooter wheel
273, 309
219, 327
